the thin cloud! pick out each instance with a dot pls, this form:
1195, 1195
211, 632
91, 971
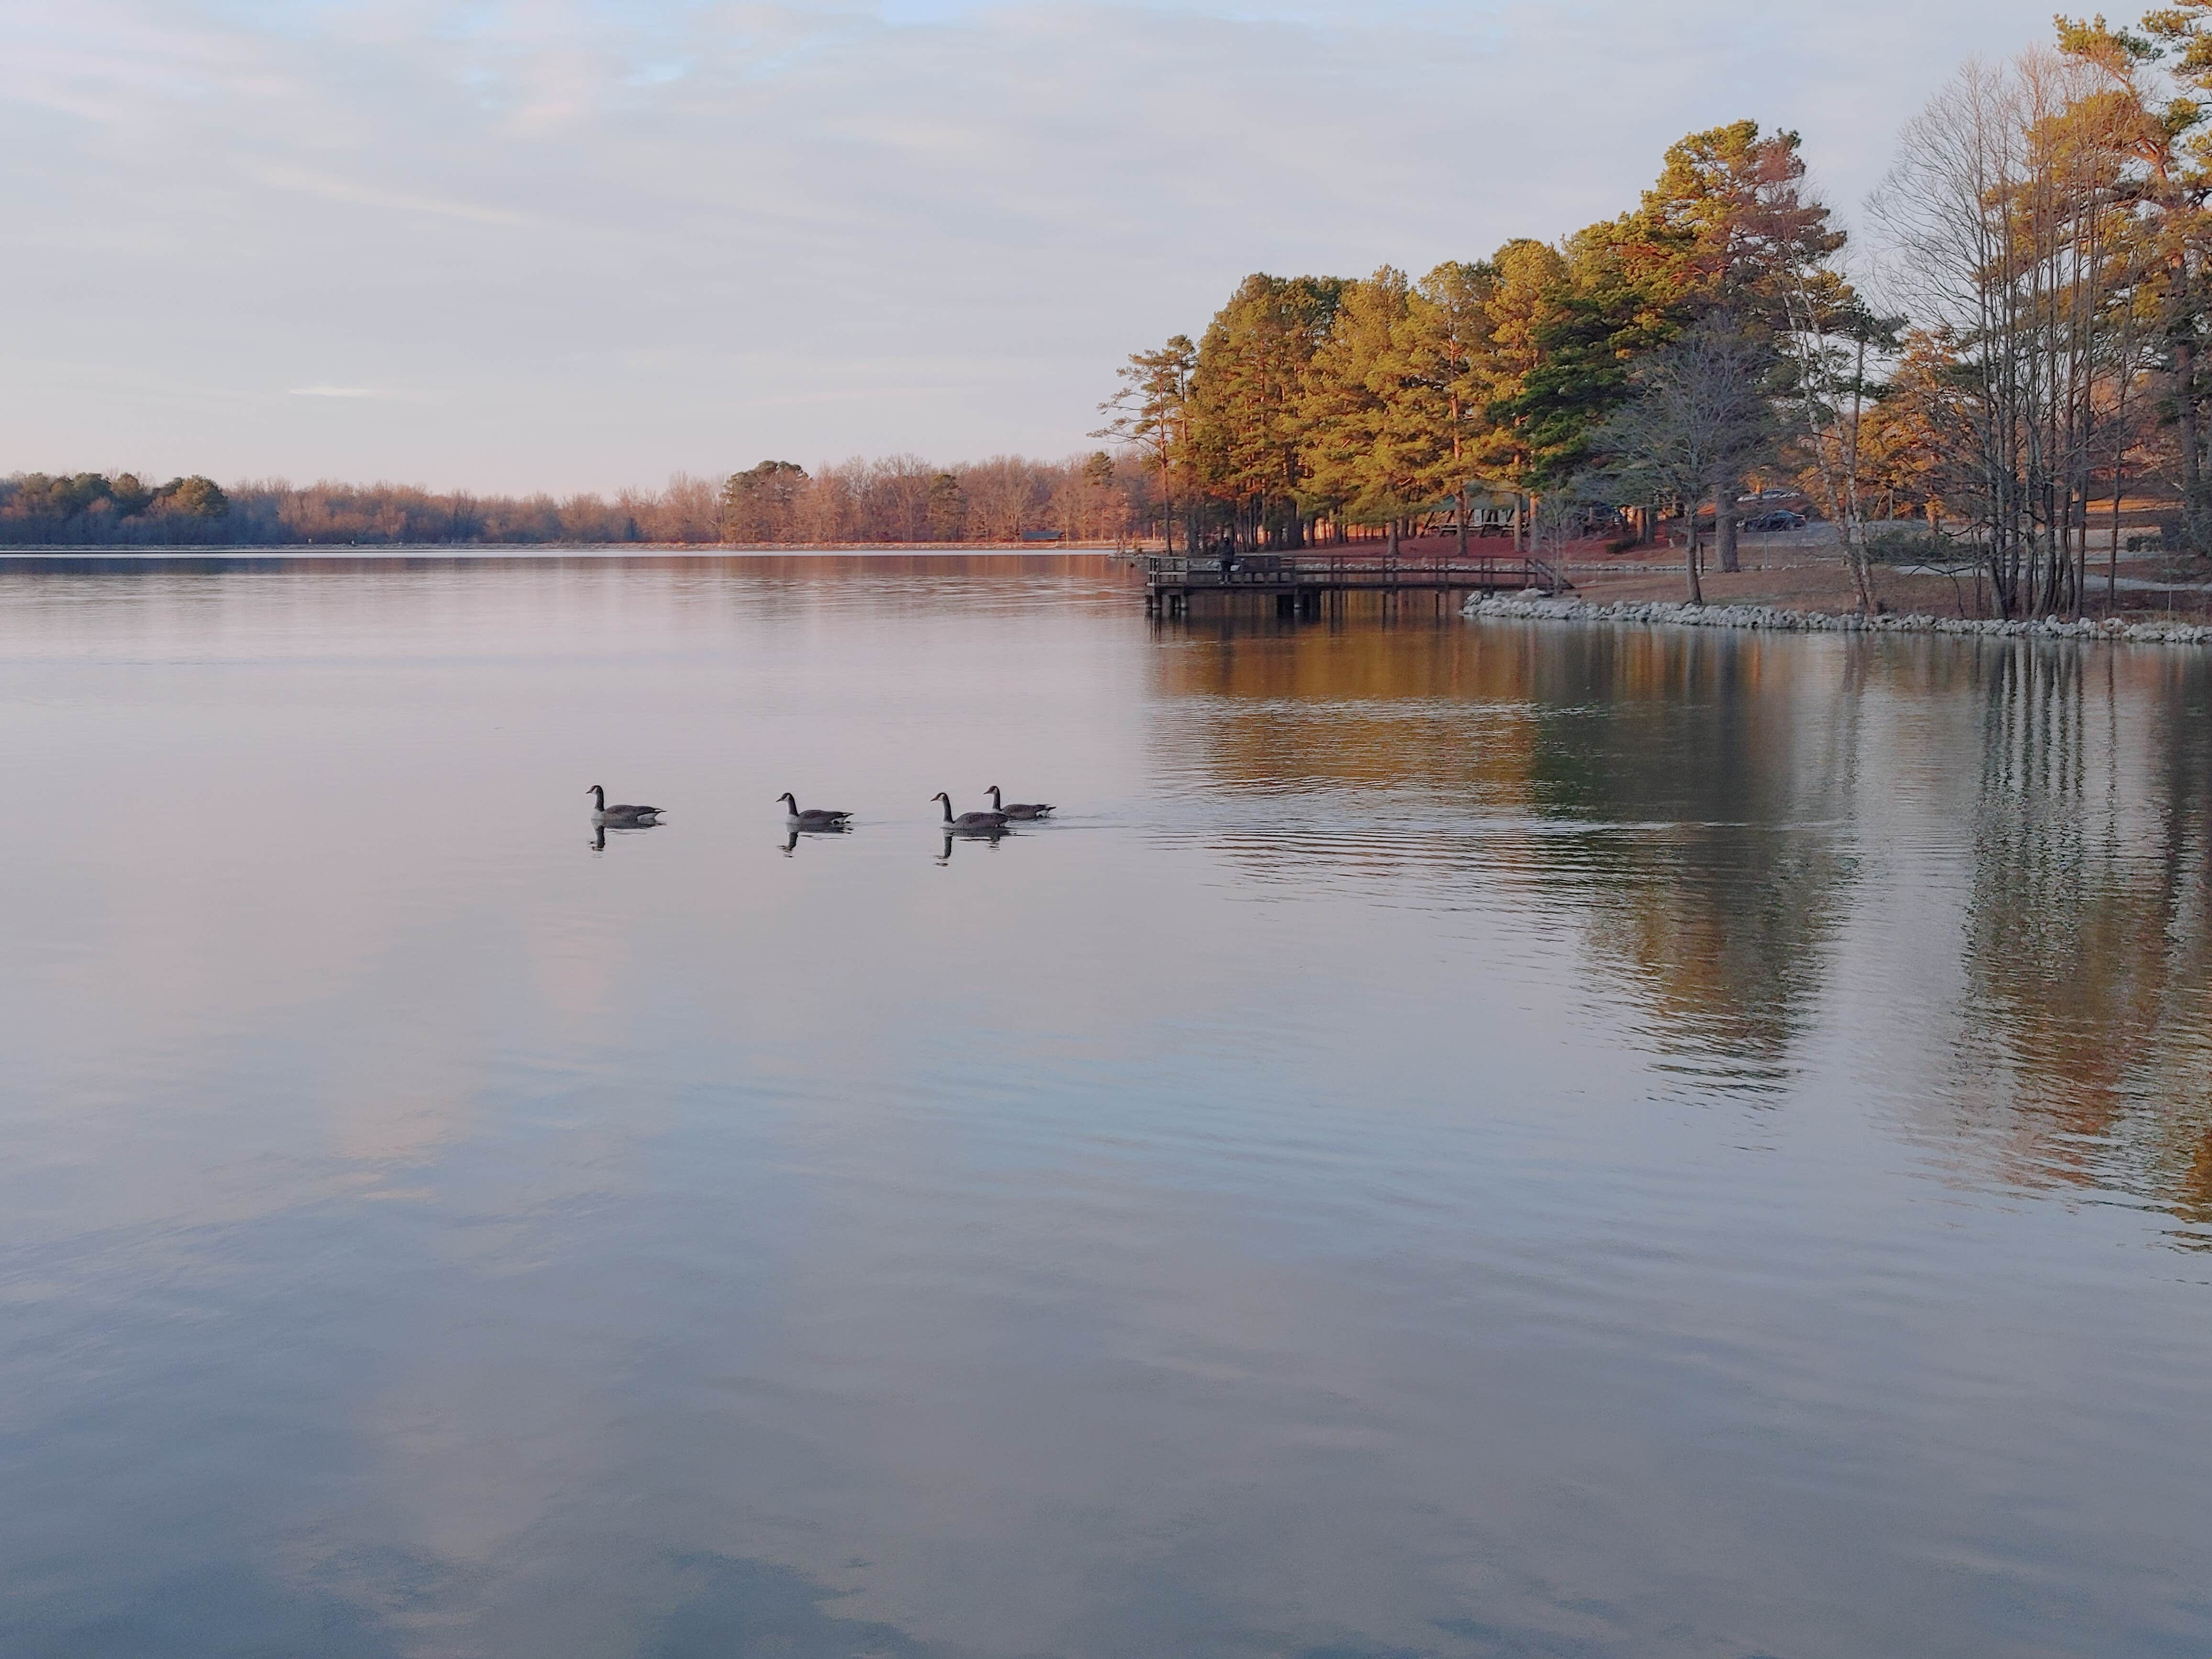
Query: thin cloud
332, 188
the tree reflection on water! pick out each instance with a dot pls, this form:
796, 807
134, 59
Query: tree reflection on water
2087, 942
1732, 814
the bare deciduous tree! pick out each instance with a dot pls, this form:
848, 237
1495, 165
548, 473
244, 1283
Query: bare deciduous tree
2011, 211
1704, 414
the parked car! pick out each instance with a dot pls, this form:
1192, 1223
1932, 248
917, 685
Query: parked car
1780, 519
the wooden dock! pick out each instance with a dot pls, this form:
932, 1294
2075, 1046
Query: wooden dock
1299, 583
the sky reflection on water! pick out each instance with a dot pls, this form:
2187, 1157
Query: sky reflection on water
1462, 1140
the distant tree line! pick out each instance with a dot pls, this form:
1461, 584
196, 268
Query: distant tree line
2043, 347
902, 500
1090, 498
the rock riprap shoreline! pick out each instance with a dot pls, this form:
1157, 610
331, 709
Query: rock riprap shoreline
1653, 612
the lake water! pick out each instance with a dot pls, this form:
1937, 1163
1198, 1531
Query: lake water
1460, 1139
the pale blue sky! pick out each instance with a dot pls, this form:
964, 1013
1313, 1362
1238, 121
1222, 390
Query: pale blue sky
551, 243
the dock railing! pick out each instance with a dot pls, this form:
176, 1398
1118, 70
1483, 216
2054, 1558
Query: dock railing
1348, 571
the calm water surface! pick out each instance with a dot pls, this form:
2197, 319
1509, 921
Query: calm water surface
1463, 1141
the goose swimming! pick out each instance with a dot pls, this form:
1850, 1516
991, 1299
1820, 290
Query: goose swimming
1020, 809
970, 822
620, 816
814, 817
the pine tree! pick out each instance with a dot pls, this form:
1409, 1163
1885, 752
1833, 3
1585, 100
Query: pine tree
1247, 388
1438, 417
1362, 459
1531, 282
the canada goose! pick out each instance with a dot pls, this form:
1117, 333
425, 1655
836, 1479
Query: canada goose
814, 817
622, 816
1020, 809
970, 821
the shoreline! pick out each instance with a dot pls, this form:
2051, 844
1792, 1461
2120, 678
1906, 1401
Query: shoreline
1650, 613
542, 549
